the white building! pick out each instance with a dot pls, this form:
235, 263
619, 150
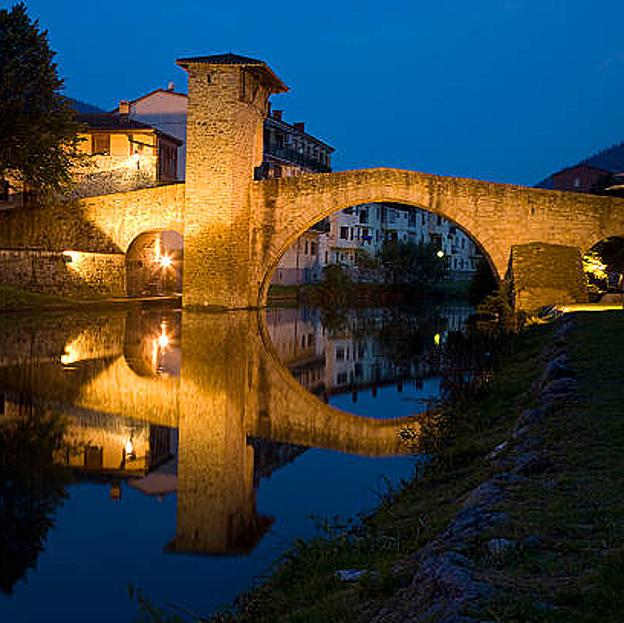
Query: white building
366, 227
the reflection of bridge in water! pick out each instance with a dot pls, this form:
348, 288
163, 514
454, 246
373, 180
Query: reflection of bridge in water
218, 382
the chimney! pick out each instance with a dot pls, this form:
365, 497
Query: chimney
300, 126
124, 108
170, 86
277, 114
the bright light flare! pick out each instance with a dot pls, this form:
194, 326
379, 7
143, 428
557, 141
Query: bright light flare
440, 254
163, 340
71, 355
165, 261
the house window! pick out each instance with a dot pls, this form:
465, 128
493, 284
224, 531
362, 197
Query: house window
306, 247
340, 354
313, 248
577, 182
100, 144
344, 233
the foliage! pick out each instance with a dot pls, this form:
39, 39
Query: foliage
367, 265
336, 288
611, 253
38, 139
483, 283
595, 270
406, 263
31, 487
496, 313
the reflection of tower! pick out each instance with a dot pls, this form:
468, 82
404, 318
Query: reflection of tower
228, 101
216, 500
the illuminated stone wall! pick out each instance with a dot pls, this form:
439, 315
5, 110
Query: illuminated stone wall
75, 275
103, 224
97, 230
114, 174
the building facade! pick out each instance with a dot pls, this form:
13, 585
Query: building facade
365, 228
123, 154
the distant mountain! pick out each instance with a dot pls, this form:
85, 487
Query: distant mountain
82, 107
610, 159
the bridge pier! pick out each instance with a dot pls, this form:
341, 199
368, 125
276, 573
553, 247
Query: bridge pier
546, 274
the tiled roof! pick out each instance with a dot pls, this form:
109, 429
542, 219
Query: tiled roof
236, 59
110, 122
223, 59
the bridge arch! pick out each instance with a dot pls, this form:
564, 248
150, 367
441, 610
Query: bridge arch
154, 261
287, 207
487, 247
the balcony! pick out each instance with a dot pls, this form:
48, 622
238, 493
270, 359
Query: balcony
291, 156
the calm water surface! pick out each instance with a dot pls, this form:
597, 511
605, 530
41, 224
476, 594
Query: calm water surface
181, 454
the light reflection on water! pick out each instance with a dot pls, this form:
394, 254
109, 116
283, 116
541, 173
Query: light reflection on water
186, 435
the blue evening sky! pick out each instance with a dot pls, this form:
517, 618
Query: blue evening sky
503, 90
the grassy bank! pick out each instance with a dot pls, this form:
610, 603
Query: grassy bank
565, 561
12, 299
572, 507
15, 300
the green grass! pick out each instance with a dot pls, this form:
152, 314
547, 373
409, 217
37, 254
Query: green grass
12, 299
576, 507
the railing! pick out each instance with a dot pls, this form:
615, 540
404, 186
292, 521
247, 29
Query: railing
293, 156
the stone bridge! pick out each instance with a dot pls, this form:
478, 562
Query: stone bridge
225, 387
236, 229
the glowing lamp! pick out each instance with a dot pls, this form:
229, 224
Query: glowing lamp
165, 261
436, 339
129, 449
440, 254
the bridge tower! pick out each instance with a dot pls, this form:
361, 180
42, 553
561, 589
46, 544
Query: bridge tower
228, 102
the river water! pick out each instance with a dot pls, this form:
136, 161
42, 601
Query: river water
179, 455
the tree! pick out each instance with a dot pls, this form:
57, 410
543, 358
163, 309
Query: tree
38, 131
483, 283
406, 263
